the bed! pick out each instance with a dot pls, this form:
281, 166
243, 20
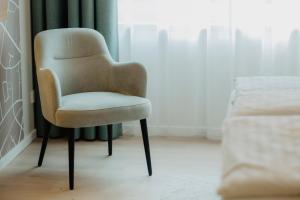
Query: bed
261, 140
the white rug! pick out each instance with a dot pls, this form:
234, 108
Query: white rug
190, 188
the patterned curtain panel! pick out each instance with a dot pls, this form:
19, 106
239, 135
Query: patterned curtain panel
3, 9
100, 15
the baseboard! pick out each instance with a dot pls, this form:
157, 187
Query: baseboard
214, 134
11, 155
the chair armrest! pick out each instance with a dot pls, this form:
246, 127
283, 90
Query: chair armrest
50, 93
129, 78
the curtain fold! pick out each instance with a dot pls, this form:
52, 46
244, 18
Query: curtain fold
87, 14
107, 13
100, 15
73, 13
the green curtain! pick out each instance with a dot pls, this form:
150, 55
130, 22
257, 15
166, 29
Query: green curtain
100, 15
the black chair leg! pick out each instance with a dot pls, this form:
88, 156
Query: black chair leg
71, 145
146, 144
109, 138
44, 143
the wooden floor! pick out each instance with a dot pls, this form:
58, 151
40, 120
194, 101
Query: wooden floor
183, 169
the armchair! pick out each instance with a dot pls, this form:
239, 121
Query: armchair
80, 85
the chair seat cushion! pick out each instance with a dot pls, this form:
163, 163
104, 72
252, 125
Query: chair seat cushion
100, 108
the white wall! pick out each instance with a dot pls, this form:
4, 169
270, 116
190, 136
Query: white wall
26, 66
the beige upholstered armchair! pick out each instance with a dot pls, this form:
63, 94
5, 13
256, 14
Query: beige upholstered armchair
80, 85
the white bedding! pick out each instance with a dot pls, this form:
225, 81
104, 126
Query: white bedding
265, 96
261, 140
267, 83
261, 156
266, 102
268, 198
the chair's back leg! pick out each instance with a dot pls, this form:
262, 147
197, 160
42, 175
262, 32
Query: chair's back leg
146, 144
71, 145
109, 138
44, 143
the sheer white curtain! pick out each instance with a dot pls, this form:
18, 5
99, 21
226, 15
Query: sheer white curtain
193, 49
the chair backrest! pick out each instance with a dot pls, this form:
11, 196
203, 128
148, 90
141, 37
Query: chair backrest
79, 56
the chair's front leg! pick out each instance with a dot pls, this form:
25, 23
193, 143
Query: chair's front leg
109, 138
146, 144
71, 145
44, 143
